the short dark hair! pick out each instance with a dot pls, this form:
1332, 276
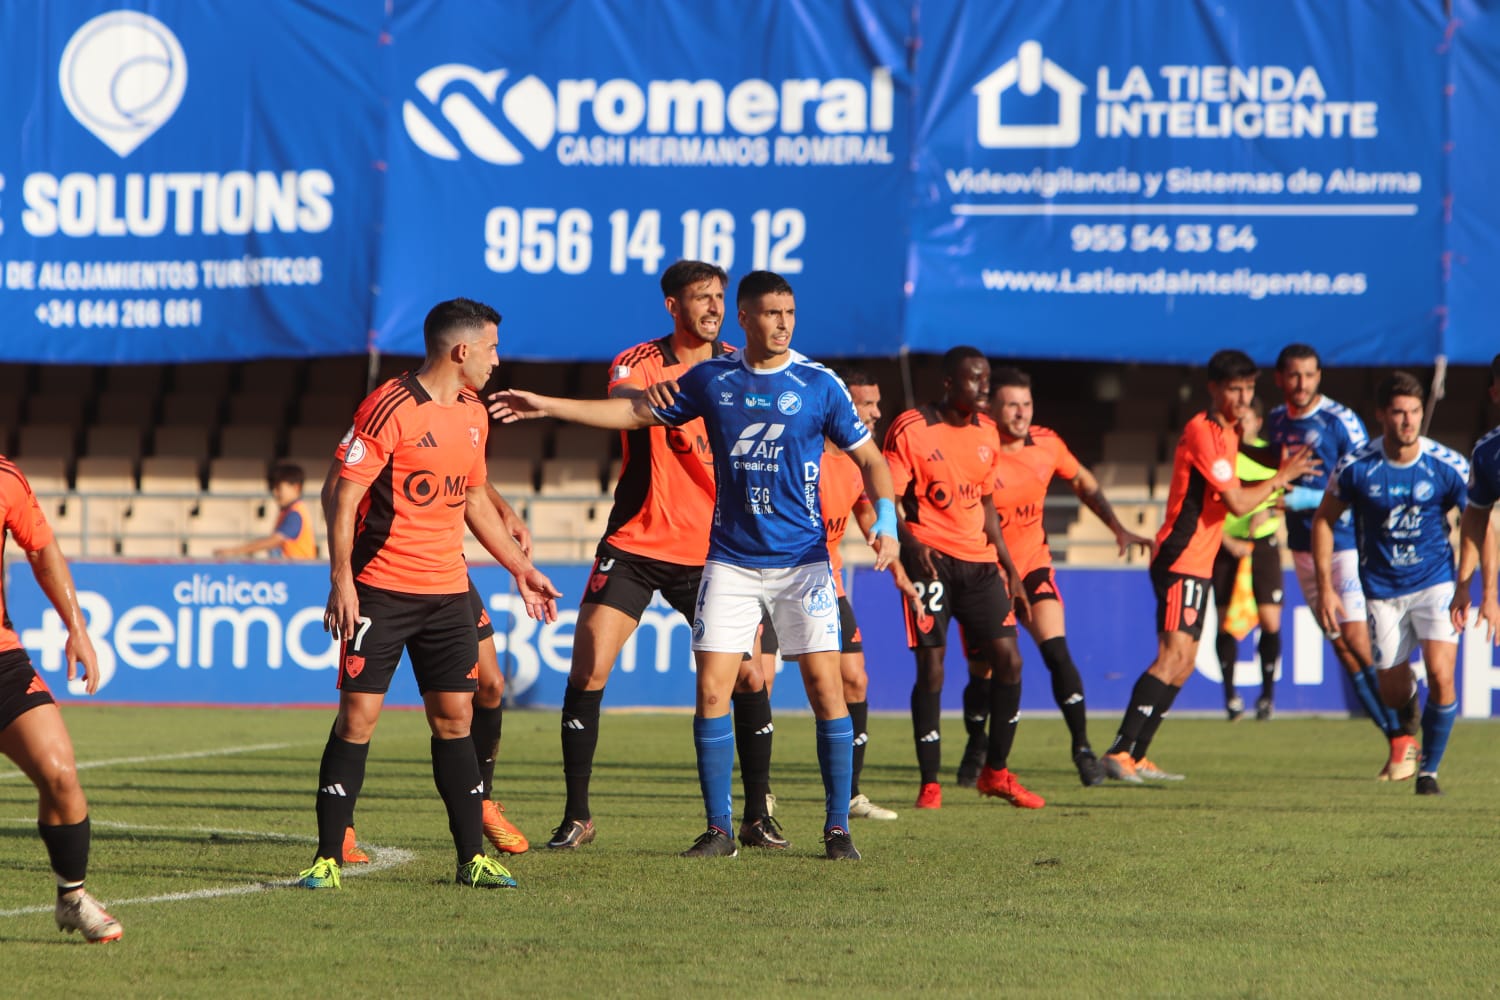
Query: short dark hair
956, 356
758, 283
286, 472
856, 376
1230, 364
455, 314
689, 272
1297, 352
1399, 384
1007, 377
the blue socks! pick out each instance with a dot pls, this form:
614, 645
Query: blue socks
1437, 725
714, 741
836, 762
1367, 687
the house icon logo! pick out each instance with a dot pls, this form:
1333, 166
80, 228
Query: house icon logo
1028, 72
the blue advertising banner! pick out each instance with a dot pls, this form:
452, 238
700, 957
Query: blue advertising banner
554, 161
1473, 260
1112, 181
252, 634
187, 180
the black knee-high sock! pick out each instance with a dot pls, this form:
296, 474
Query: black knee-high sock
926, 727
1143, 698
1410, 715
68, 850
580, 737
1148, 731
1005, 712
1270, 654
340, 777
859, 714
1067, 690
1228, 648
753, 730
976, 709
456, 774
484, 732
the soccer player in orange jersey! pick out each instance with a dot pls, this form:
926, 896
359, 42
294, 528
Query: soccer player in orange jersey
1030, 455
413, 475
1204, 486
943, 459
489, 695
293, 535
32, 733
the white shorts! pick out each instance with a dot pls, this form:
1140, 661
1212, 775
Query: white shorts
1345, 581
1397, 624
801, 600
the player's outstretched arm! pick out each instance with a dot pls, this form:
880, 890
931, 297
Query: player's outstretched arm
341, 619
610, 414
249, 548
885, 532
537, 592
56, 580
515, 524
1330, 606
1294, 465
1091, 495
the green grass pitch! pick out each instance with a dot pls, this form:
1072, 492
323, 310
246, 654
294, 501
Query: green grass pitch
1279, 868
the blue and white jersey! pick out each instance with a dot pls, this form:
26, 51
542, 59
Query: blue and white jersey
1400, 515
767, 428
1334, 431
1484, 471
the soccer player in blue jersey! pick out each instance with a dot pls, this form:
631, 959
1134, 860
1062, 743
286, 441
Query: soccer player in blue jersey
1479, 543
1400, 488
1307, 417
767, 411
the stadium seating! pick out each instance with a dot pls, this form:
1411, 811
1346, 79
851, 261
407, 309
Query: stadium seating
153, 461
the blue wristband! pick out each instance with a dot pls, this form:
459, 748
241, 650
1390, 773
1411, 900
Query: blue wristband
1303, 498
885, 518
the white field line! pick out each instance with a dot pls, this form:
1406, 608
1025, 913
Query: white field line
190, 755
381, 859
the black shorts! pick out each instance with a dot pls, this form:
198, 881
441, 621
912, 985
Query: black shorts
1041, 585
436, 629
21, 687
974, 593
482, 623
849, 637
626, 582
1179, 601
1265, 574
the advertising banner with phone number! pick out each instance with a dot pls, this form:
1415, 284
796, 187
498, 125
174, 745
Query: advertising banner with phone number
1117, 181
555, 166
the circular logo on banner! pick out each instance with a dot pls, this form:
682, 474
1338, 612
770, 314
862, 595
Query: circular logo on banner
1422, 491
122, 76
1222, 470
356, 452
789, 403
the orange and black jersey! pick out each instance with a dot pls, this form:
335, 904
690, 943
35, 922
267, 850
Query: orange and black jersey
21, 518
1021, 490
1202, 467
942, 474
841, 486
418, 457
664, 501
